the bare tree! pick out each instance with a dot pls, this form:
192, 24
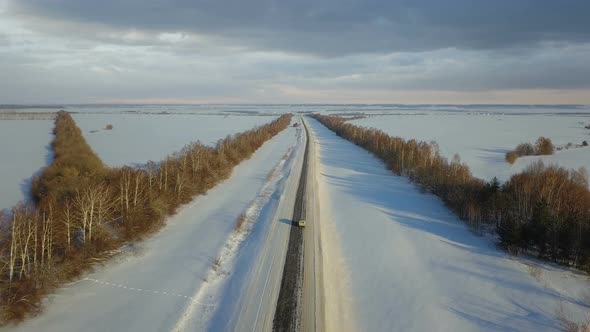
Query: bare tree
47, 237
95, 208
68, 219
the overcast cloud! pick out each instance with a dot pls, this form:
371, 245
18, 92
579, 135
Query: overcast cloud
424, 51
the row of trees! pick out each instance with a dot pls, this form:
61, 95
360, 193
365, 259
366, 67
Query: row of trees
27, 115
83, 211
543, 146
544, 210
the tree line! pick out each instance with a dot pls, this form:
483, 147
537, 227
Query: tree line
83, 211
544, 210
543, 146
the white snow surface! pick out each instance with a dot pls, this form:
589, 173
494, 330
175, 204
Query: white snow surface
154, 289
482, 139
411, 265
247, 298
24, 150
139, 138
239, 263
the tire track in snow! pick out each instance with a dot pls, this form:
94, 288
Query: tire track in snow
143, 290
196, 315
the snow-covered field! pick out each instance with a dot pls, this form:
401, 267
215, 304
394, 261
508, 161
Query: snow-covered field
24, 150
392, 258
168, 285
135, 139
410, 265
482, 139
139, 138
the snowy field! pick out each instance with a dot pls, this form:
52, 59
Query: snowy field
411, 265
482, 139
24, 150
139, 134
394, 258
170, 284
139, 138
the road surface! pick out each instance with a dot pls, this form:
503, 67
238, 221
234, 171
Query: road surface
313, 289
296, 306
250, 297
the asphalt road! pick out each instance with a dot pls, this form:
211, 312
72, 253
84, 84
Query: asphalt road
288, 311
300, 302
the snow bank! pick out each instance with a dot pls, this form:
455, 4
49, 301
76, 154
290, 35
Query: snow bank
138, 138
262, 209
483, 140
413, 266
247, 299
24, 150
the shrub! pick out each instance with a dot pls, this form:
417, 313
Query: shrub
535, 271
241, 221
525, 149
543, 146
108, 127
585, 143
511, 157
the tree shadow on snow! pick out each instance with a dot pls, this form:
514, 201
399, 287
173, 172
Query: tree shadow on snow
369, 181
26, 184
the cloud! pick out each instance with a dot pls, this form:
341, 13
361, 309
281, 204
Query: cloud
286, 51
4, 40
327, 27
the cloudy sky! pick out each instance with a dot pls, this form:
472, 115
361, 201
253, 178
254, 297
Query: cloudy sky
296, 51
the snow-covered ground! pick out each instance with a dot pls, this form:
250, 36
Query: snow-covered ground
410, 265
138, 138
482, 139
170, 280
249, 295
392, 258
24, 150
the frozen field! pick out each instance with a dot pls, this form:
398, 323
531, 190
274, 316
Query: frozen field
408, 264
24, 150
482, 139
138, 138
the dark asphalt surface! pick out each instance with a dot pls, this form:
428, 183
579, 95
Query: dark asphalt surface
288, 312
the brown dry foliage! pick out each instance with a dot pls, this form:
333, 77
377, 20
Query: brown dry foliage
543, 146
511, 157
241, 221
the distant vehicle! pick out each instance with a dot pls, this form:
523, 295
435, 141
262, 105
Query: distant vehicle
301, 223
